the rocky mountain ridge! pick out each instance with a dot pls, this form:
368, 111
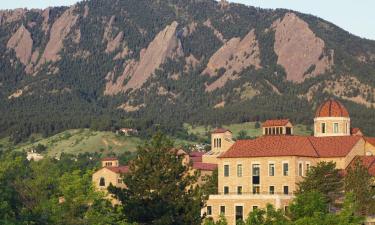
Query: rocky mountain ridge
129, 58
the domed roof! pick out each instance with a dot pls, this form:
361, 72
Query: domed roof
331, 108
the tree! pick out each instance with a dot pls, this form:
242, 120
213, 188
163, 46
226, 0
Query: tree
359, 182
221, 221
257, 125
269, 216
210, 186
242, 134
307, 204
324, 178
160, 189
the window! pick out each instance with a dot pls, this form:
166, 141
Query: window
222, 210
226, 170
209, 210
286, 208
285, 169
255, 207
286, 190
272, 190
102, 182
239, 190
239, 170
335, 128
271, 169
307, 167
323, 128
300, 169
108, 163
226, 190
239, 213
119, 181
256, 189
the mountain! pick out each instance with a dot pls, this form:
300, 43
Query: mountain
155, 64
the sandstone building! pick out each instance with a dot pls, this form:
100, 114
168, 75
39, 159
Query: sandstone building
253, 173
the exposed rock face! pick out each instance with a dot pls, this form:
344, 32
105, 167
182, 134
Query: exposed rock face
299, 50
217, 33
165, 45
8, 16
233, 57
115, 43
45, 25
59, 31
108, 29
346, 87
22, 44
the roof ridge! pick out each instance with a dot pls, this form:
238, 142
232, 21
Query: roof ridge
308, 138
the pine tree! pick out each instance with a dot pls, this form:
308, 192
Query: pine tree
359, 182
160, 188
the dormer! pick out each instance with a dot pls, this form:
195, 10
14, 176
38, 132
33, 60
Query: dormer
277, 127
110, 162
221, 140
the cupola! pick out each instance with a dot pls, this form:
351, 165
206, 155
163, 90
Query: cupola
331, 119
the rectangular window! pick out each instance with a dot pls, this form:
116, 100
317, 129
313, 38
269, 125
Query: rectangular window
323, 128
239, 170
285, 169
256, 189
226, 170
255, 207
271, 169
226, 190
300, 169
286, 190
256, 173
239, 190
307, 167
239, 213
222, 210
209, 210
335, 128
272, 190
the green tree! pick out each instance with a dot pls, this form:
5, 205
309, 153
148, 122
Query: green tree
221, 221
268, 216
359, 182
160, 188
307, 204
242, 134
210, 186
324, 178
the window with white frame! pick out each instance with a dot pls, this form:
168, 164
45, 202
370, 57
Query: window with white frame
226, 170
335, 128
239, 170
300, 169
285, 169
271, 169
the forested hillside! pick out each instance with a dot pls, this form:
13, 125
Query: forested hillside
154, 64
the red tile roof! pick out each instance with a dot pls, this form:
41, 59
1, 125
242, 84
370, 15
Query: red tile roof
368, 162
204, 166
370, 140
196, 154
356, 131
331, 108
119, 169
267, 146
196, 159
273, 123
109, 159
220, 130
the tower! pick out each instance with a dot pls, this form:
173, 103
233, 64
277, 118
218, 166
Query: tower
331, 119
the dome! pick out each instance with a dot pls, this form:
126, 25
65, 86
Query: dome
331, 108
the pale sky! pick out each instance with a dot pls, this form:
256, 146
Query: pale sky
355, 16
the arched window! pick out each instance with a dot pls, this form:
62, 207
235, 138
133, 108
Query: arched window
102, 182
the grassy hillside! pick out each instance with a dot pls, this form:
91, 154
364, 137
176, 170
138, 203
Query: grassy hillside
249, 127
81, 141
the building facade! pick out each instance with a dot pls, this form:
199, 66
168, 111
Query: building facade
253, 173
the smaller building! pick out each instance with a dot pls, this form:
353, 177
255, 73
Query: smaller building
33, 155
277, 127
221, 141
128, 131
110, 173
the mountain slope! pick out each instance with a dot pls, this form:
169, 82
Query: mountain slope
103, 64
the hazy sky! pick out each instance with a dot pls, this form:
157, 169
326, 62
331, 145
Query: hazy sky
357, 17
